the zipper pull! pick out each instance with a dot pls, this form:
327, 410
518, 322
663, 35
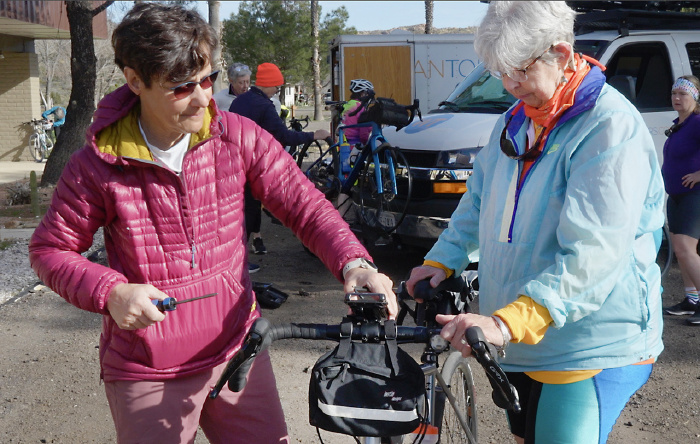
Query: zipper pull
194, 250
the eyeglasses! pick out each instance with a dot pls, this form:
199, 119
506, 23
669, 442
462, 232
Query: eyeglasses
185, 89
241, 68
509, 149
518, 75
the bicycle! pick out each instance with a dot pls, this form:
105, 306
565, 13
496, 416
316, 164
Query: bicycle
453, 384
376, 176
300, 125
40, 145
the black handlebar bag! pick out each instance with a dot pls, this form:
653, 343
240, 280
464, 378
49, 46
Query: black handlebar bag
386, 112
367, 389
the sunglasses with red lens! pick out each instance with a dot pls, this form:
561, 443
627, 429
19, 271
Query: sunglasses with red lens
508, 148
185, 89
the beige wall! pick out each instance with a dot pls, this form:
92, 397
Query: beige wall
19, 102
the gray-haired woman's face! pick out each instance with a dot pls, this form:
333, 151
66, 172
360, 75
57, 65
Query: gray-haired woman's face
241, 85
542, 81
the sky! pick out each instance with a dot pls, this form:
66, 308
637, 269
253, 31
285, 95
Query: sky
368, 15
381, 15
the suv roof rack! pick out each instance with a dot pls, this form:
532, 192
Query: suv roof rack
624, 20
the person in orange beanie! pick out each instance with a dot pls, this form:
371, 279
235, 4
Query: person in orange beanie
256, 105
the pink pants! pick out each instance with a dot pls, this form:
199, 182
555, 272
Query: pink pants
170, 411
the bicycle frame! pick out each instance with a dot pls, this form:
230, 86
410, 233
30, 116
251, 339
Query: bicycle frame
371, 148
431, 374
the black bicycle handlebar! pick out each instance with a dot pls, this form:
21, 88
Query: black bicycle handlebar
262, 334
299, 124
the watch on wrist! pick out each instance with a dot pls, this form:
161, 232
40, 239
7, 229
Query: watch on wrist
359, 263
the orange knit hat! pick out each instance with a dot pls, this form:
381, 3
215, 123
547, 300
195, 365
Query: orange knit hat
268, 75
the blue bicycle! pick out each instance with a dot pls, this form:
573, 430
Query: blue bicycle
373, 181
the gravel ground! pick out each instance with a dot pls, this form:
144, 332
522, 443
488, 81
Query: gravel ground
50, 390
16, 276
15, 273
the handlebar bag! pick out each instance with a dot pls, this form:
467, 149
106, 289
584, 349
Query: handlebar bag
385, 111
366, 389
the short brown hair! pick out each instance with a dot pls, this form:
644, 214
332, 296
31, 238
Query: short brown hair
163, 42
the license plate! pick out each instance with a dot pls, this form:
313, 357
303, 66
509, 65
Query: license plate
386, 219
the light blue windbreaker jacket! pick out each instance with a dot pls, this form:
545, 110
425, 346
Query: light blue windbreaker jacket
577, 237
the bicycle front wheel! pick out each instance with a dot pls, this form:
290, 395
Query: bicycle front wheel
321, 167
458, 375
384, 196
47, 147
35, 147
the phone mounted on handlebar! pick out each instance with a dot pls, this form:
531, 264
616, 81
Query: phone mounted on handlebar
367, 306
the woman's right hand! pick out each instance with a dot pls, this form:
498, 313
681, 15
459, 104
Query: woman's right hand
131, 306
436, 275
321, 134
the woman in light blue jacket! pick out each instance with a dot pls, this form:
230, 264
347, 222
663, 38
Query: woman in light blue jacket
560, 213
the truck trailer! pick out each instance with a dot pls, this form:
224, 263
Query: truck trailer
402, 65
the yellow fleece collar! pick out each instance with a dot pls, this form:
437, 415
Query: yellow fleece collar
123, 137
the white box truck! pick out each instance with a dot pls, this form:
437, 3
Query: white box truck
402, 65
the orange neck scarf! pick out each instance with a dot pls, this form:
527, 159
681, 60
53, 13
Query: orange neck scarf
564, 95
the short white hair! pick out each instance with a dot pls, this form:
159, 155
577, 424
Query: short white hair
238, 70
514, 32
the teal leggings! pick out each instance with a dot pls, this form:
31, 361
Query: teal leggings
582, 412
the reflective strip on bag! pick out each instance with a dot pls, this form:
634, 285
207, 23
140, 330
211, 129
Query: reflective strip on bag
370, 414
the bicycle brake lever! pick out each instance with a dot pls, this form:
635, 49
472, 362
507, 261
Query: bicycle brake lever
504, 394
236, 372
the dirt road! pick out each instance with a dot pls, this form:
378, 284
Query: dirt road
50, 390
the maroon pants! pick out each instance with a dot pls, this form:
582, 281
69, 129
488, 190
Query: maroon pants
171, 411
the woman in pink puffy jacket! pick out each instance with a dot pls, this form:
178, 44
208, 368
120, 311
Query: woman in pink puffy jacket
163, 172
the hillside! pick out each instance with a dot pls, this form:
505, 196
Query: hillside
420, 29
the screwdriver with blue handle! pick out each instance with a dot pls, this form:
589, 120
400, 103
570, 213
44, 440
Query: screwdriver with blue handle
170, 304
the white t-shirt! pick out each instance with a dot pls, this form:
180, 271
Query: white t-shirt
173, 156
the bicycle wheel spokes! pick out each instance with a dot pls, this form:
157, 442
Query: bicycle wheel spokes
385, 190
35, 148
47, 147
458, 375
321, 167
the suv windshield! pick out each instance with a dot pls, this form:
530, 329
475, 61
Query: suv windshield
479, 92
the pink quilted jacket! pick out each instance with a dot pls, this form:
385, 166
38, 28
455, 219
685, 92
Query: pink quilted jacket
183, 234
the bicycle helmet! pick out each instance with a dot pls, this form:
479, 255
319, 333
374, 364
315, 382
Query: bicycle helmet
360, 85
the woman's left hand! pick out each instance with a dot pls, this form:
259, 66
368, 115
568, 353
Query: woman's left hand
690, 180
454, 328
374, 282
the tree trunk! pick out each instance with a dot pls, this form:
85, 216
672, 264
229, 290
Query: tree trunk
81, 105
428, 16
315, 62
215, 22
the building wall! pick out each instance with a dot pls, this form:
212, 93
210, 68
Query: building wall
19, 103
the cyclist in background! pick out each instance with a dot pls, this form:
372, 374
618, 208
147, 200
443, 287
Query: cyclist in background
238, 83
58, 118
360, 89
256, 105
